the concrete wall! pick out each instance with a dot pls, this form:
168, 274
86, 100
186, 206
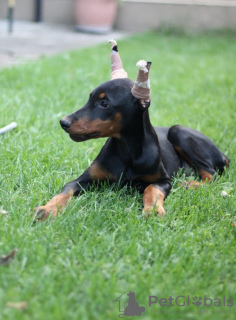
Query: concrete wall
59, 11
54, 11
195, 15
24, 9
140, 15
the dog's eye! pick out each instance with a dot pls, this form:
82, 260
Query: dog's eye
104, 104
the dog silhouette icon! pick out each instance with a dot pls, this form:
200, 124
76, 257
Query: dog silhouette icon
133, 308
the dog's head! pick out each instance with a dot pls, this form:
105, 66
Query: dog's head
111, 108
114, 106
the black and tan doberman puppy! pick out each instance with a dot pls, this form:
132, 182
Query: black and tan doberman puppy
135, 152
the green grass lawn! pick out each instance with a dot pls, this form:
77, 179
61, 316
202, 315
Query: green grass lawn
100, 246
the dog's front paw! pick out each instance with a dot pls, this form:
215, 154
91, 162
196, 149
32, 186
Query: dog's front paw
43, 212
156, 210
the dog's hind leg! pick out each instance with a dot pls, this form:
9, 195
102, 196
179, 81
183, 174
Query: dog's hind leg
199, 152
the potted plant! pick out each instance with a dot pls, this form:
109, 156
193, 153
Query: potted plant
95, 16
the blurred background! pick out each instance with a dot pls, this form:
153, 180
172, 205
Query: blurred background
32, 28
128, 15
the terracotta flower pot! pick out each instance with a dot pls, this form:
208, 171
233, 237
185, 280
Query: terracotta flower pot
96, 16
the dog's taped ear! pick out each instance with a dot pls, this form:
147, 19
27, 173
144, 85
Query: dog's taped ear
117, 70
141, 88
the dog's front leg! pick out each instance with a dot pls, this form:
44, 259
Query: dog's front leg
55, 205
59, 202
153, 199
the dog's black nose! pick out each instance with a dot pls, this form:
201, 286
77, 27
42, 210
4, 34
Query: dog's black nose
65, 123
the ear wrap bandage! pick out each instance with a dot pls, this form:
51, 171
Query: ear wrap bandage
117, 70
141, 88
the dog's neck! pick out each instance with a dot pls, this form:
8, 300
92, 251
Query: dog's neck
135, 143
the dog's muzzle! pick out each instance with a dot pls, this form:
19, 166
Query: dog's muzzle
65, 124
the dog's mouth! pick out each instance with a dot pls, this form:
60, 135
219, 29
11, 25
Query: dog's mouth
84, 137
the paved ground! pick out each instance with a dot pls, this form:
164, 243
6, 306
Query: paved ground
31, 40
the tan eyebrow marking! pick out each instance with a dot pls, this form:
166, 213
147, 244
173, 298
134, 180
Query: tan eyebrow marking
102, 95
